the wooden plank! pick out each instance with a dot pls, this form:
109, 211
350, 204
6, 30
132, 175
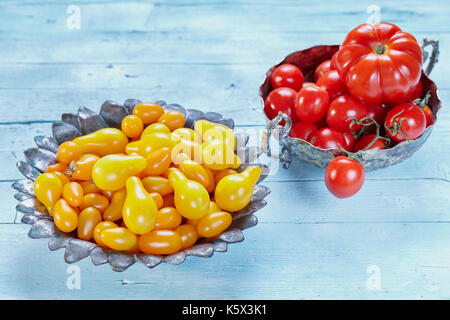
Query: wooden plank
326, 261
218, 16
172, 47
145, 76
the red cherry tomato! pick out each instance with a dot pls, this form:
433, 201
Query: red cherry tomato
417, 91
405, 121
370, 141
342, 111
344, 177
376, 111
305, 84
351, 141
327, 138
422, 103
333, 62
311, 104
380, 63
428, 115
287, 75
322, 123
321, 69
333, 84
302, 130
281, 99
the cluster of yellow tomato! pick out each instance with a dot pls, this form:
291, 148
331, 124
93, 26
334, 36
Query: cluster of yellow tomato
153, 187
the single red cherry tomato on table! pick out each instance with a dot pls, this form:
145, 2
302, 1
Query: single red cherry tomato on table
369, 142
344, 177
327, 138
405, 121
281, 99
311, 104
321, 69
343, 113
380, 63
302, 130
287, 75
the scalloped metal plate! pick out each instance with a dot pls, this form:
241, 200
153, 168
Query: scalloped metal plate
111, 114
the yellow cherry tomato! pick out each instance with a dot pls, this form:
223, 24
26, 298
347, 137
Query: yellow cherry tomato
57, 167
160, 242
167, 219
211, 185
158, 161
95, 200
132, 126
72, 192
99, 228
194, 171
89, 187
216, 155
155, 127
135, 248
139, 210
64, 179
114, 210
172, 119
186, 150
120, 239
149, 112
191, 198
157, 184
151, 142
48, 190
188, 234
108, 194
193, 222
103, 142
88, 219
112, 171
213, 207
234, 192
214, 131
223, 173
64, 216
82, 168
159, 201
213, 224
167, 172
67, 152
187, 134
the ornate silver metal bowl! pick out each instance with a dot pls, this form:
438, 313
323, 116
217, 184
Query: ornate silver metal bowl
307, 60
111, 115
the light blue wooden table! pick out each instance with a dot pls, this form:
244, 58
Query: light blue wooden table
391, 240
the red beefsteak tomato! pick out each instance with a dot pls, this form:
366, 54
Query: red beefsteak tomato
380, 63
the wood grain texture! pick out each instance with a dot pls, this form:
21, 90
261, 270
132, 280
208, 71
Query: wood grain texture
213, 55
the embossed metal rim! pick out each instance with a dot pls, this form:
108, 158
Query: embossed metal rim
111, 115
307, 60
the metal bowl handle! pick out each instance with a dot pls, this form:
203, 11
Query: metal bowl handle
432, 57
278, 131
